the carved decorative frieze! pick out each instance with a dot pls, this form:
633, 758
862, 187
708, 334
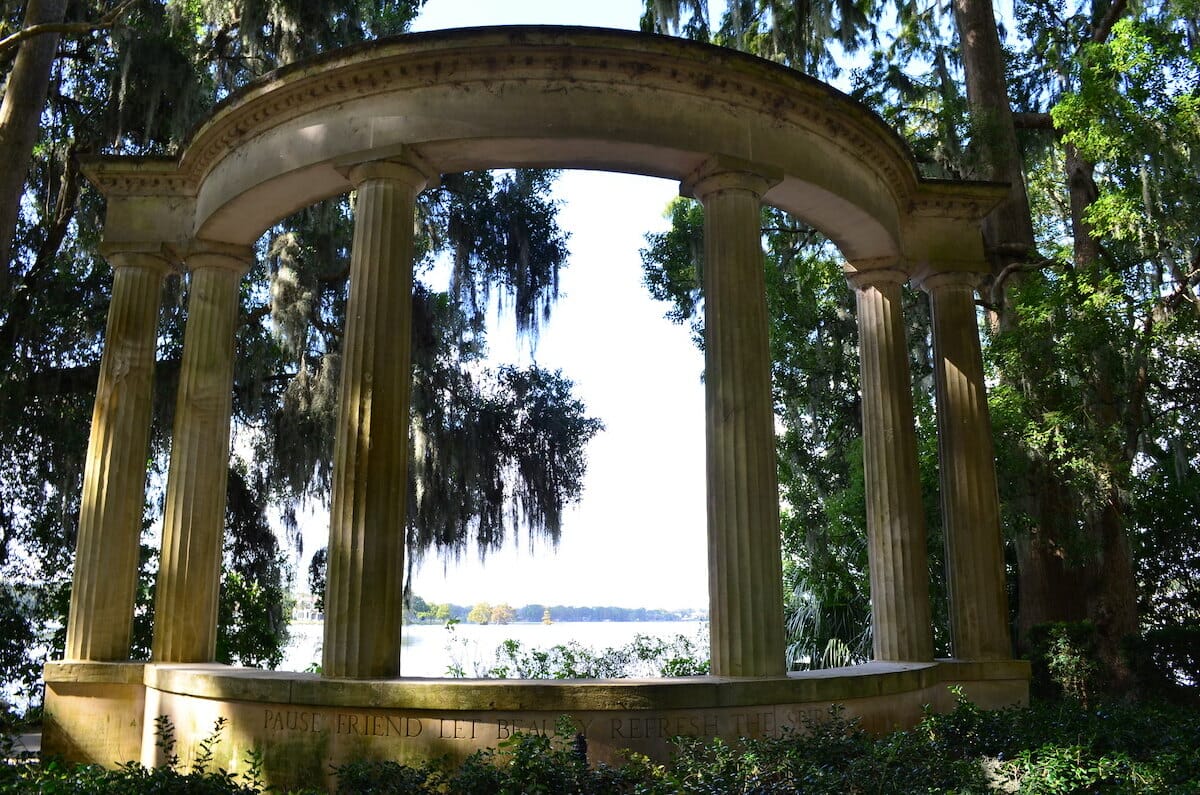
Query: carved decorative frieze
742, 82
566, 60
120, 176
958, 201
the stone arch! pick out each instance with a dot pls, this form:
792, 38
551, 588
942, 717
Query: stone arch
387, 118
543, 97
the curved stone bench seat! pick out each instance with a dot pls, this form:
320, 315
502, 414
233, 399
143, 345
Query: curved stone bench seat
305, 723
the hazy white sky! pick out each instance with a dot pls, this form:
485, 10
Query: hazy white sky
637, 539
638, 536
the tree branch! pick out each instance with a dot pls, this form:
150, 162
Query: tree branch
335, 277
1104, 27
256, 314
109, 20
1033, 120
1010, 270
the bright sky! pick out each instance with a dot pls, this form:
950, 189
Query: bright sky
637, 539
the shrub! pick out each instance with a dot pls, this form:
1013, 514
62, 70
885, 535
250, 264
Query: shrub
644, 656
1064, 661
1050, 747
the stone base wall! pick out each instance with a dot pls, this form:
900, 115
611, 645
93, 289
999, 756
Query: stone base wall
303, 724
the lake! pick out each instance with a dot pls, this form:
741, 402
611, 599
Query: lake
429, 649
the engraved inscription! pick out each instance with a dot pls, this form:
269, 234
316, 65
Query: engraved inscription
659, 727
361, 724
617, 730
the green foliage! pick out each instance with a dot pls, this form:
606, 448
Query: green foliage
53, 776
1046, 748
687, 18
644, 656
673, 265
1064, 661
504, 240
389, 778
1043, 749
481, 613
531, 762
494, 452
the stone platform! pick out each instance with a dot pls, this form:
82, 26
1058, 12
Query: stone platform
303, 724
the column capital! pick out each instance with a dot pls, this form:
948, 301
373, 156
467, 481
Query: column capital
724, 172
201, 253
151, 256
405, 165
932, 281
930, 278
861, 279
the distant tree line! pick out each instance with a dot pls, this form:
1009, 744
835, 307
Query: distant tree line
420, 611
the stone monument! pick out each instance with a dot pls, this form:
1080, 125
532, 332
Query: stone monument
386, 120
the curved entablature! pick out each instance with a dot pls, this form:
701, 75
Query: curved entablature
541, 97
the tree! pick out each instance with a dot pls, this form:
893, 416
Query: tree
481, 613
502, 614
1123, 125
24, 95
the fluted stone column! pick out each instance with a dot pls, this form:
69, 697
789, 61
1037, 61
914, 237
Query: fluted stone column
114, 477
900, 617
744, 570
967, 470
364, 585
189, 569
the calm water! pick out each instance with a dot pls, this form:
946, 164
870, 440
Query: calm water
430, 648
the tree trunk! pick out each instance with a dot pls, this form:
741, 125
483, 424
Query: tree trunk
1044, 588
1112, 597
1048, 589
1111, 589
20, 119
1081, 187
1008, 231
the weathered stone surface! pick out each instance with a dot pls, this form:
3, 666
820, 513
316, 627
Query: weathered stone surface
94, 712
967, 472
745, 576
900, 615
114, 479
365, 580
546, 97
189, 576
304, 723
